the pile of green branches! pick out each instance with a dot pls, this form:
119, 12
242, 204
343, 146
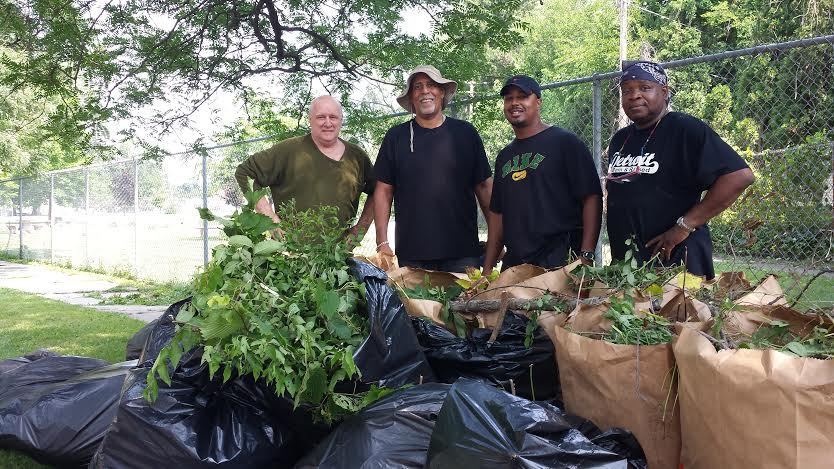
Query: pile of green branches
282, 309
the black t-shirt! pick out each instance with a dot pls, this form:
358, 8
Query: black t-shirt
434, 198
538, 188
682, 158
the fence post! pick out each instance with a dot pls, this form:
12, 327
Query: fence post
87, 216
205, 206
136, 216
20, 217
597, 151
51, 218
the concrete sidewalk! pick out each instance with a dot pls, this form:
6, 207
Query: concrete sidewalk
69, 287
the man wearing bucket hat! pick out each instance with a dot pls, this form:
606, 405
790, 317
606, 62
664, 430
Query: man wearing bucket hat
432, 168
659, 167
546, 197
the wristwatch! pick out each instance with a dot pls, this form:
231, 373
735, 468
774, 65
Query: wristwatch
588, 255
681, 223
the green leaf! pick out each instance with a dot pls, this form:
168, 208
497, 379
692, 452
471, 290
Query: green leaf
314, 385
240, 240
218, 326
185, 314
227, 373
347, 361
252, 197
328, 302
267, 247
206, 214
340, 328
162, 370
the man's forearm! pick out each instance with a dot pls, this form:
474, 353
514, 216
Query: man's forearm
367, 215
591, 221
721, 195
383, 197
495, 240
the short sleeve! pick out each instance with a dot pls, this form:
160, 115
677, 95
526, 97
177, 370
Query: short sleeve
368, 172
579, 164
481, 169
715, 158
384, 168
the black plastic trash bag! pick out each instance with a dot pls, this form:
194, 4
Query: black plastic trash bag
392, 432
135, 344
391, 355
161, 333
201, 422
532, 369
57, 408
482, 426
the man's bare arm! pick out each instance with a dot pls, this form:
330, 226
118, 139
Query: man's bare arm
726, 189
495, 241
591, 221
383, 198
365, 218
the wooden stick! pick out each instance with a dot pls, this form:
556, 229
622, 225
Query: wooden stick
491, 306
502, 311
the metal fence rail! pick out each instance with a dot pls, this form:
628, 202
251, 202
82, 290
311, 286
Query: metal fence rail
140, 217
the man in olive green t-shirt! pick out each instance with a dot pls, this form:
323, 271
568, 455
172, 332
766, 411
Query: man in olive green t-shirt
315, 169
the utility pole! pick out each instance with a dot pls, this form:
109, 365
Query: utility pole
622, 121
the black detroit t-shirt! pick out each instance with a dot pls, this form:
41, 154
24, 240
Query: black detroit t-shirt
538, 187
434, 200
682, 159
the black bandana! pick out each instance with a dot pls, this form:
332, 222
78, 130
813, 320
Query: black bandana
648, 71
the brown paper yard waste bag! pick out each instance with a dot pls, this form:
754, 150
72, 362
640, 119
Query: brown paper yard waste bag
758, 409
407, 277
623, 386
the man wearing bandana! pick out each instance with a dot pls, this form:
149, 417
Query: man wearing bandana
659, 167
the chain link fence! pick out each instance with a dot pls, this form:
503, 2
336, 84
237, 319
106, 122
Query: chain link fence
773, 103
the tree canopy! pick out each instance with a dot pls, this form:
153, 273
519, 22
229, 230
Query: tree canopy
98, 61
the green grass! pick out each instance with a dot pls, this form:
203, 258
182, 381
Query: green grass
820, 293
145, 293
29, 322
133, 291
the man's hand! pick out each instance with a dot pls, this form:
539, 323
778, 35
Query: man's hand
386, 256
666, 241
585, 261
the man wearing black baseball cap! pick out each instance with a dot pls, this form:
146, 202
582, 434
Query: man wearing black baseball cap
659, 166
546, 197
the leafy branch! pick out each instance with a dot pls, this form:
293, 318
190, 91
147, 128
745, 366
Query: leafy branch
283, 310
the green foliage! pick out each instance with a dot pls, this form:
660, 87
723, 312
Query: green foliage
778, 336
628, 328
443, 295
628, 275
283, 310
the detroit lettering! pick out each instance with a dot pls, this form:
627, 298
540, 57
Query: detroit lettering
645, 164
521, 162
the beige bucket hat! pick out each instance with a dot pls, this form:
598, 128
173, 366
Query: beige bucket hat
450, 86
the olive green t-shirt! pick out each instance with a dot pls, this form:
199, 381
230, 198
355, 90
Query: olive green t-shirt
296, 169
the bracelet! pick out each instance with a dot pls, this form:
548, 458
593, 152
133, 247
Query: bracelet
381, 244
683, 225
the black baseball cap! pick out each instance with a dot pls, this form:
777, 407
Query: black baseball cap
524, 83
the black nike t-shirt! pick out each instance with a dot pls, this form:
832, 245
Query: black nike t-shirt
434, 199
538, 188
657, 175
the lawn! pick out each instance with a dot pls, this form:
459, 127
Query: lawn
819, 294
30, 322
